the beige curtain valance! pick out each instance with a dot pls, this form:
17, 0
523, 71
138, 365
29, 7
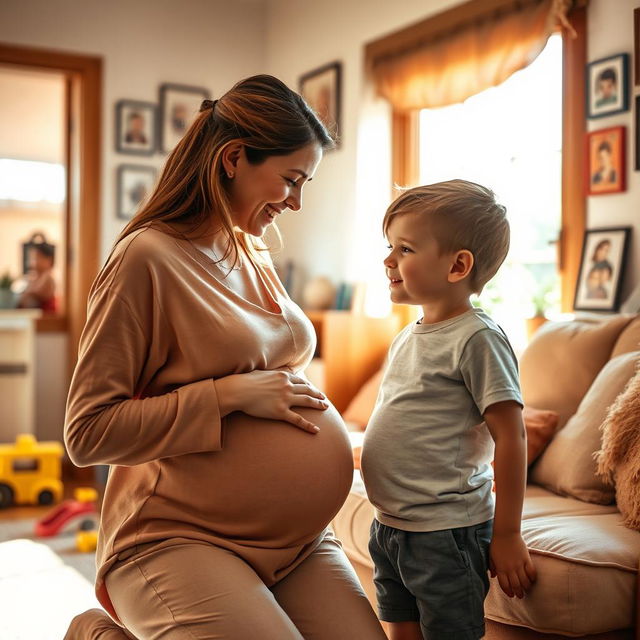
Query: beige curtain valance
444, 67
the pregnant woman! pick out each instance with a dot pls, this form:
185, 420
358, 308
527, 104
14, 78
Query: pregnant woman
226, 464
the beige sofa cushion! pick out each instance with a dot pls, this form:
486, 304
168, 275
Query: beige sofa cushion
629, 338
563, 359
587, 568
586, 561
567, 466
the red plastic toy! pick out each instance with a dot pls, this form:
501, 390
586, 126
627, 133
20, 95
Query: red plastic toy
79, 513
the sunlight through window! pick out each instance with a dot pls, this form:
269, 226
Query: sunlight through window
509, 138
27, 181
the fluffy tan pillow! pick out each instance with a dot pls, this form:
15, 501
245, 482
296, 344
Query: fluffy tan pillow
567, 467
619, 459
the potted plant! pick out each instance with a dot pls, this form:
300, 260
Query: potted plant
541, 301
7, 296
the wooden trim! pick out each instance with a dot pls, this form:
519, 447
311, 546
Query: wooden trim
405, 151
574, 60
84, 74
52, 324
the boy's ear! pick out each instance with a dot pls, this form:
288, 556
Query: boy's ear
461, 265
230, 157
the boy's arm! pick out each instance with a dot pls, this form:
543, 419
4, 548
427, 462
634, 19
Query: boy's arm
510, 559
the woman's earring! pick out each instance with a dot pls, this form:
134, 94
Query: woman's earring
230, 174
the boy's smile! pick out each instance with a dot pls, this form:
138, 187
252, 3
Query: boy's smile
420, 273
416, 269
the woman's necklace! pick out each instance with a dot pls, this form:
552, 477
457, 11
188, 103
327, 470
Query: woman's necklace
209, 252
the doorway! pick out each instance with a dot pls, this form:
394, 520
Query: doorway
75, 233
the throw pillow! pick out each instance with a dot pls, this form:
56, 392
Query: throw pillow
567, 467
563, 359
361, 406
619, 459
629, 338
540, 426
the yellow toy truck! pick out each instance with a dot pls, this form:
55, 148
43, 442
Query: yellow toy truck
30, 472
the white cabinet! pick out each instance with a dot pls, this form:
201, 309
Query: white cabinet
17, 372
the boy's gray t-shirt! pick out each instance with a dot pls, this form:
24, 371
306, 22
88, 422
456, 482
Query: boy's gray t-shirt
426, 457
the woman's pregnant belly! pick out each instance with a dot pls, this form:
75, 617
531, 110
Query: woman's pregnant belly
270, 482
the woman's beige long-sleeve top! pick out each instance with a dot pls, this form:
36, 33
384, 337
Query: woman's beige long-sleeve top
162, 327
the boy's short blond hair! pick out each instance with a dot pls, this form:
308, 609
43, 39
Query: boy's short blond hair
463, 215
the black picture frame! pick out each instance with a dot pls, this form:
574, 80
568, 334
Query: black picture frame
609, 79
173, 124
636, 46
636, 128
601, 273
322, 91
136, 127
133, 184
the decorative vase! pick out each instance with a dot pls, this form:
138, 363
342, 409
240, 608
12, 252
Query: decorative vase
319, 293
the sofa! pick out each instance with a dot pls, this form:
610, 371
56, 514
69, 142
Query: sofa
587, 560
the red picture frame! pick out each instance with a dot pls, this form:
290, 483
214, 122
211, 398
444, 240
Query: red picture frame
605, 165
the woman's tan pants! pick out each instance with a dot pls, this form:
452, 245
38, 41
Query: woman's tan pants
198, 591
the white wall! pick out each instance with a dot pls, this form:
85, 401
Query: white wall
609, 33
298, 41
318, 239
143, 43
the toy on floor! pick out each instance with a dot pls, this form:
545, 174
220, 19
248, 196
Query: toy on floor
81, 512
87, 541
30, 472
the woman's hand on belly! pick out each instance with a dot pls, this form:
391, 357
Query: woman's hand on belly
270, 395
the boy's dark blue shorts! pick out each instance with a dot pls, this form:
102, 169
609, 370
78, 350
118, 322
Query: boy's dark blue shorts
438, 578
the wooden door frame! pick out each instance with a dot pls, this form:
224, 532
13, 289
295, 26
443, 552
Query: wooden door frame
405, 154
83, 161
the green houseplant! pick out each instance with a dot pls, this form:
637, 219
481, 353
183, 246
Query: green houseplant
7, 296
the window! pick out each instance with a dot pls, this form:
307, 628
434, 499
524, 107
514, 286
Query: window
509, 138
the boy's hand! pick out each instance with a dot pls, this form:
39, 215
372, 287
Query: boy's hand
510, 561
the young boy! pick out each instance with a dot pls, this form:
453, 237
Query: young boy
449, 392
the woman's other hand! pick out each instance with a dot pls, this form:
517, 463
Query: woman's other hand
270, 395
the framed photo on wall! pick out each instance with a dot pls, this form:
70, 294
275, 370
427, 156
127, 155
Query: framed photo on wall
636, 46
637, 134
321, 89
604, 253
606, 167
179, 105
608, 86
136, 128
134, 184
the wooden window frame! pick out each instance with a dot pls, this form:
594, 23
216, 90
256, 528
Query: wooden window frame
405, 146
83, 76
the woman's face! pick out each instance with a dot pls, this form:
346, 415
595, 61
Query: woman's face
260, 193
602, 251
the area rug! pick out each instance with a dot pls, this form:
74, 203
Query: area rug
44, 583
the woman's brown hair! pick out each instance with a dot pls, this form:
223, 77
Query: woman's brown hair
261, 113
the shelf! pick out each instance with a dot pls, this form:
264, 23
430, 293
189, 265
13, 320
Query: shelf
13, 368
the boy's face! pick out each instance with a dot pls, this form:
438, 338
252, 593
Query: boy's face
417, 272
607, 87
